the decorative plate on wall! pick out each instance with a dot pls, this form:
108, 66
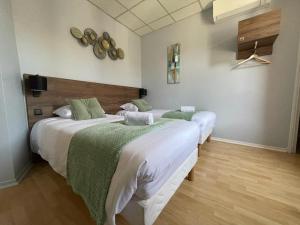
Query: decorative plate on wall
112, 42
112, 53
84, 40
102, 45
106, 36
105, 44
120, 53
173, 53
76, 33
91, 35
99, 52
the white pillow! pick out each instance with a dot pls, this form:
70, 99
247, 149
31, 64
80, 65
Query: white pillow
130, 107
64, 112
187, 109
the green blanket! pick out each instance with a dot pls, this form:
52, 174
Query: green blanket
179, 115
93, 157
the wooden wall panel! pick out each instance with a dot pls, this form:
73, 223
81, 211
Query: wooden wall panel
263, 28
60, 90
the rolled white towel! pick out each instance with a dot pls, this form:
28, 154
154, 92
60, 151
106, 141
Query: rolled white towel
187, 109
121, 113
138, 118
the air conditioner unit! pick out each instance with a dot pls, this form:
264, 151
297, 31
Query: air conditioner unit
226, 8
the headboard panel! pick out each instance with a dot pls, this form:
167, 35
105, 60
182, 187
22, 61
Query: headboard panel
59, 90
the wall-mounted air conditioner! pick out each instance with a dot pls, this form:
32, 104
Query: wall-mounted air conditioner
226, 8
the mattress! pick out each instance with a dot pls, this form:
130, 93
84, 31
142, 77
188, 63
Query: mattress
145, 212
163, 150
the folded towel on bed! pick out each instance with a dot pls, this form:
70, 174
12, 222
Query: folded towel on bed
138, 118
187, 109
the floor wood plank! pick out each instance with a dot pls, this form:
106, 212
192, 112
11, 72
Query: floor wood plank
234, 185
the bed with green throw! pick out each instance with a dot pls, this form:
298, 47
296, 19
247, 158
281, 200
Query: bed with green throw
110, 164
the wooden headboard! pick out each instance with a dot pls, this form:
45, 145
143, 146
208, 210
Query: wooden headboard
59, 90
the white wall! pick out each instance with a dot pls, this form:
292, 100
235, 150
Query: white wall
45, 45
14, 154
252, 104
35, 39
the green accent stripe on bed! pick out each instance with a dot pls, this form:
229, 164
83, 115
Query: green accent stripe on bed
93, 157
179, 115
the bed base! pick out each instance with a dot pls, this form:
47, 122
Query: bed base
191, 175
145, 212
206, 136
200, 145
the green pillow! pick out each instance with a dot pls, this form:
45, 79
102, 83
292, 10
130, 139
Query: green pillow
142, 105
84, 109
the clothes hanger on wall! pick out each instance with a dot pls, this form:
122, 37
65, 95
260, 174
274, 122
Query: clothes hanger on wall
255, 57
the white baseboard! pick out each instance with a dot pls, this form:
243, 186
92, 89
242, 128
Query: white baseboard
250, 144
18, 179
23, 173
8, 183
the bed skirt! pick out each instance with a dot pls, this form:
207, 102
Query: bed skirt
145, 212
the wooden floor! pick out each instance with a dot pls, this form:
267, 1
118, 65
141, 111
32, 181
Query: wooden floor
233, 185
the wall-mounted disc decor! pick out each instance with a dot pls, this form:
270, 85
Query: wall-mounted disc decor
105, 44
99, 52
120, 53
112, 53
91, 35
99, 41
84, 40
106, 36
76, 33
102, 45
112, 42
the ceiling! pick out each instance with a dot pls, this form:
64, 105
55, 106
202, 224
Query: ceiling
145, 16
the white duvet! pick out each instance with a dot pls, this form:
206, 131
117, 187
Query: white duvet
145, 163
205, 120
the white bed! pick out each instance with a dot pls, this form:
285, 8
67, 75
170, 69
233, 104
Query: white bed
204, 119
156, 164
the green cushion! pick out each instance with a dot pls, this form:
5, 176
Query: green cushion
142, 105
84, 109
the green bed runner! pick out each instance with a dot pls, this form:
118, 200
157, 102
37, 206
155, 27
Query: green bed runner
93, 157
179, 115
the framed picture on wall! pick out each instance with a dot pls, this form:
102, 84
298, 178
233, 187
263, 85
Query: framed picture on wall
173, 72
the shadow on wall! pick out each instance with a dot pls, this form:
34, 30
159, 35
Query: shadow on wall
207, 17
221, 39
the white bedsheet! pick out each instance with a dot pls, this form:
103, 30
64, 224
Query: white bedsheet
144, 165
205, 120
